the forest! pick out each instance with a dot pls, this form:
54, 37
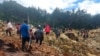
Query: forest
11, 10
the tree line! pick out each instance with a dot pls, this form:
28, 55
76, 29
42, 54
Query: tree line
11, 10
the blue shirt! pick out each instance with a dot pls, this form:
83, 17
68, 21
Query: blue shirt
24, 29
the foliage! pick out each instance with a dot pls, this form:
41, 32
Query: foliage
11, 10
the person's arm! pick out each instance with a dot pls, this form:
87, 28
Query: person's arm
28, 30
42, 35
20, 32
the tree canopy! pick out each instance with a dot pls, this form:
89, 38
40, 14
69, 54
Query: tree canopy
11, 10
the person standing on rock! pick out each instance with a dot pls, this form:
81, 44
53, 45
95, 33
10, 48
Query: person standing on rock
25, 36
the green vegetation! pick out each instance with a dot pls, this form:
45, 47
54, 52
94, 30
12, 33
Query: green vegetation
11, 10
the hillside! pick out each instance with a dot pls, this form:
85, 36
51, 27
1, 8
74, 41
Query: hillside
65, 45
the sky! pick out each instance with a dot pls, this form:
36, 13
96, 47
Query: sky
91, 6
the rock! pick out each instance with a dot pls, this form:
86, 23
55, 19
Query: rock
60, 55
63, 36
72, 36
89, 54
67, 47
73, 41
52, 55
37, 53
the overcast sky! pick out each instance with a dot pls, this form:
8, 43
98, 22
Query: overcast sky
92, 6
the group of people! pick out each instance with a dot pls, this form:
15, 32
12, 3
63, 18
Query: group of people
84, 33
27, 33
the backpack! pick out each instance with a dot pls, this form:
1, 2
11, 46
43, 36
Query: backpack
38, 34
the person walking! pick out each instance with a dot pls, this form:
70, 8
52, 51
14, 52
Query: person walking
25, 36
39, 35
47, 29
9, 28
57, 32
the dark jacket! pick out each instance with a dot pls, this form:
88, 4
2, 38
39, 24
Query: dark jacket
39, 34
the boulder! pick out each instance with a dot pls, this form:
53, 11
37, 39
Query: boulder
72, 36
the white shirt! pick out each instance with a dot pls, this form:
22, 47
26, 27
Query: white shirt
9, 25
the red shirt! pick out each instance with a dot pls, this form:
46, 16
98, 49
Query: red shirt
47, 28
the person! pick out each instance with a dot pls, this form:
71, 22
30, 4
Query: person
31, 33
57, 32
47, 29
85, 35
39, 35
24, 30
31, 38
9, 28
18, 28
34, 29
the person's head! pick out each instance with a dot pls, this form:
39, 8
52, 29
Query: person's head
25, 21
18, 24
30, 30
39, 27
8, 21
